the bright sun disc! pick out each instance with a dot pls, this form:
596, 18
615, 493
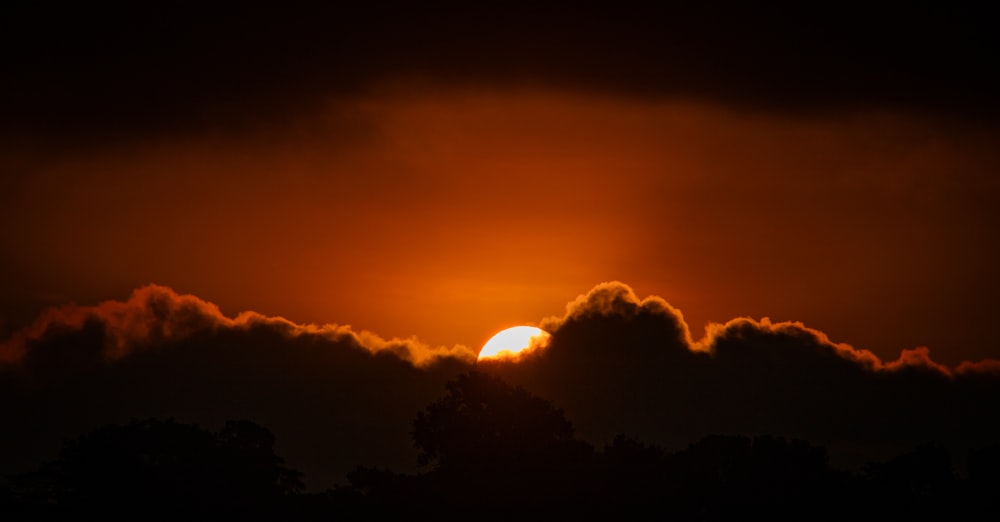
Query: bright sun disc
513, 341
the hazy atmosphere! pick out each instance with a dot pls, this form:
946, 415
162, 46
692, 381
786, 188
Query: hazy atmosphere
733, 221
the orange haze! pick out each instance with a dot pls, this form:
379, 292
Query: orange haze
447, 214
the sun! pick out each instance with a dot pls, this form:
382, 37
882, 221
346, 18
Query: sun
513, 342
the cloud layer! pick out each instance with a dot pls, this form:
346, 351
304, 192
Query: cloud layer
154, 315
93, 69
616, 363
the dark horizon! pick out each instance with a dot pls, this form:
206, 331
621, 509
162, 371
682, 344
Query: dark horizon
490, 450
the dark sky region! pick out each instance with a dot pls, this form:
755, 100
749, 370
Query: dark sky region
814, 186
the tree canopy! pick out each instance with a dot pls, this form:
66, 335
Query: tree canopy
484, 422
164, 469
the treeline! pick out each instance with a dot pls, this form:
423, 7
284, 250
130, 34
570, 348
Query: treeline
491, 452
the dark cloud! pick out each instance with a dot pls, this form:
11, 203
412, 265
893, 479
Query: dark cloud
88, 68
154, 315
618, 364
332, 395
336, 398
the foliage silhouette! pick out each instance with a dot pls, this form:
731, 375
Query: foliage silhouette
491, 444
491, 451
921, 483
498, 452
984, 480
165, 470
485, 422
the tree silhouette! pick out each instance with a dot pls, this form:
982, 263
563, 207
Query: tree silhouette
635, 479
492, 452
484, 422
165, 470
920, 484
984, 482
491, 444
248, 450
722, 476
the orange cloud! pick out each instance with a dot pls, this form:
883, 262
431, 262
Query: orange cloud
154, 314
920, 358
984, 367
743, 327
612, 298
617, 299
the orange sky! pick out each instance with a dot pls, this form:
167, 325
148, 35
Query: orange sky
382, 187
449, 213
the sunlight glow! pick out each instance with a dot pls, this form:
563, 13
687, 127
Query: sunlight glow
513, 342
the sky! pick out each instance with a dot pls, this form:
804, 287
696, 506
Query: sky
418, 179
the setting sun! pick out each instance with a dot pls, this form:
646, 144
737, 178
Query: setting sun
513, 341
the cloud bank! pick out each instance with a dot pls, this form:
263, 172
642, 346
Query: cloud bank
155, 314
620, 364
616, 363
335, 397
